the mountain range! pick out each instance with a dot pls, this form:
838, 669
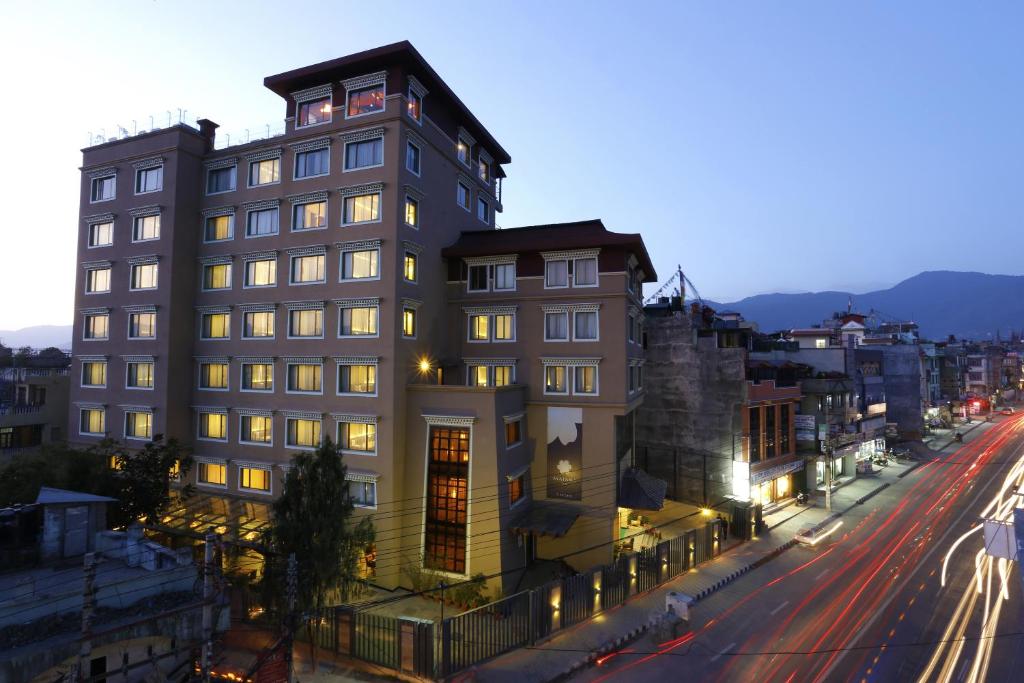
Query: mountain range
942, 302
38, 337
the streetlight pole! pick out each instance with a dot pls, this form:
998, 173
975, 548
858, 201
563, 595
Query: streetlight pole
828, 453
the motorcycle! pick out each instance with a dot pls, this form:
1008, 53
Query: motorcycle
959, 437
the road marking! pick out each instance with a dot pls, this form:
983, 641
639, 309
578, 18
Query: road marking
821, 575
775, 611
724, 650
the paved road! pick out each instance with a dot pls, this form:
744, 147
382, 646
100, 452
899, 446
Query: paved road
867, 604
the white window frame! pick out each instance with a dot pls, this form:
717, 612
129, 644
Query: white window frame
299, 392
273, 375
358, 362
273, 317
344, 154
524, 494
110, 277
125, 425
494, 277
89, 234
323, 321
569, 378
202, 282
202, 317
406, 253
138, 176
256, 466
199, 375
490, 364
468, 206
415, 321
127, 375
341, 420
138, 220
568, 275
597, 272
575, 310
364, 482
217, 463
128, 330
102, 411
509, 420
369, 303
306, 97
367, 85
419, 93
597, 381
231, 227
233, 168
469, 277
131, 277
296, 208
295, 163
245, 273
248, 224
569, 365
481, 201
241, 431
405, 211
96, 361
289, 418
490, 315
85, 326
100, 179
354, 250
418, 172
199, 426
257, 162
380, 208
291, 270
483, 160
568, 328
462, 141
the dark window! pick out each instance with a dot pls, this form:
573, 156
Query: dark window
412, 158
364, 153
312, 163
447, 500
220, 180
755, 433
478, 278
769, 431
785, 421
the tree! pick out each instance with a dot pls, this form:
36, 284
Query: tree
143, 476
22, 356
51, 357
311, 519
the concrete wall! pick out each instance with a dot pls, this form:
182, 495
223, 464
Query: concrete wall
903, 388
691, 410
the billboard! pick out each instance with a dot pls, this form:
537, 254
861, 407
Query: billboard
565, 453
804, 427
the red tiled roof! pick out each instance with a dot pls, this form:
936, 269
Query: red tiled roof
553, 237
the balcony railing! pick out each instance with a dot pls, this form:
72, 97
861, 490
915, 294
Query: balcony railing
171, 118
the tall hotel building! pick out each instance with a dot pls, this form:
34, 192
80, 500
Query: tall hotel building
346, 279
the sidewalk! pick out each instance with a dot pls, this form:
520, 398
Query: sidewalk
576, 647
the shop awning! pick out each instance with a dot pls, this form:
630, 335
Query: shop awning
641, 491
545, 518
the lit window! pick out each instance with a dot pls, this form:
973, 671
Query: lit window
306, 323
216, 326
362, 208
584, 272
217, 276
264, 172
504, 327
149, 180
554, 380
219, 228
513, 433
307, 269
360, 265
257, 429
412, 212
415, 107
221, 179
483, 210
104, 188
303, 433
212, 473
213, 375
358, 437
254, 479
140, 376
363, 493
478, 375
478, 328
462, 151
556, 326
92, 421
138, 425
101, 234
358, 321
483, 171
357, 379
462, 196
144, 276
213, 426
94, 374
556, 273
262, 222
408, 322
313, 112
412, 158
97, 280
409, 267
258, 325
364, 154
585, 325
365, 100
305, 377
257, 376
586, 380
502, 375
516, 489
261, 273
96, 326
313, 163
309, 216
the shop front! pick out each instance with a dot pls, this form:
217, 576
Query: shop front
773, 483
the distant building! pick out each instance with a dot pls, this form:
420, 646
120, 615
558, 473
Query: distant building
33, 408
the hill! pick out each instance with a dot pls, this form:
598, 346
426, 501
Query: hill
38, 337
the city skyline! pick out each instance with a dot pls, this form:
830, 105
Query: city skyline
785, 128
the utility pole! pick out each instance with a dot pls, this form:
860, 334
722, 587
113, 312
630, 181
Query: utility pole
88, 607
207, 655
828, 452
292, 581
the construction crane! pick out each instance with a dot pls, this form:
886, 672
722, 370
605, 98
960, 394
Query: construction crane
680, 289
